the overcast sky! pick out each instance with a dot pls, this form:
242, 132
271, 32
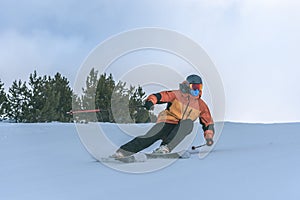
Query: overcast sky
253, 43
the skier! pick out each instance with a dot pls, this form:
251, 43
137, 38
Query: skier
184, 106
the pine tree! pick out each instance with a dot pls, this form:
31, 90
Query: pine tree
120, 104
89, 94
48, 111
62, 95
18, 98
38, 97
128, 105
116, 102
50, 99
104, 92
76, 105
3, 101
138, 112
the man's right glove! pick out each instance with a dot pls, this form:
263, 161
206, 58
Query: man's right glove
208, 135
148, 105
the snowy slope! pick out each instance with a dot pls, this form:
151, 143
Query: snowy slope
250, 161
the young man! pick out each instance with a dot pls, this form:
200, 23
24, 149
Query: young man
184, 106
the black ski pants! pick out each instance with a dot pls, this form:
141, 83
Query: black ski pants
170, 134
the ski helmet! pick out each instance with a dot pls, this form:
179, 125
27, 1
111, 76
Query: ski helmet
194, 79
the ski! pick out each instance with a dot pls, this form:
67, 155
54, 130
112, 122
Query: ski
174, 155
143, 157
138, 157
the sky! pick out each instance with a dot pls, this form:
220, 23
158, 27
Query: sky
253, 43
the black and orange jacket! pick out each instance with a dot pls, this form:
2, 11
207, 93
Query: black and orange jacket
181, 106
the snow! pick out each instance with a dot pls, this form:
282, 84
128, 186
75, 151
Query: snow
250, 161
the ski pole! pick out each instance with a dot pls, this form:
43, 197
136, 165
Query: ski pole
196, 147
82, 111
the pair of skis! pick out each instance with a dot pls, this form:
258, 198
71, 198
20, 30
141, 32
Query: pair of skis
143, 157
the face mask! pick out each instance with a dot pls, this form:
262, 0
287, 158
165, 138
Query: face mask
194, 92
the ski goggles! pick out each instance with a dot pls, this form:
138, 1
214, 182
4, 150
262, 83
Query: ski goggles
196, 86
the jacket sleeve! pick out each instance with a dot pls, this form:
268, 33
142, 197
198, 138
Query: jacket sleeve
162, 97
205, 117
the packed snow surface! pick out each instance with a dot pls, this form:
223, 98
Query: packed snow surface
249, 162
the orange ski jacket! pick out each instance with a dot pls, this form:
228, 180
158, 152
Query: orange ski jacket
181, 106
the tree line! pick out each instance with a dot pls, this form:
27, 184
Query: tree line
48, 99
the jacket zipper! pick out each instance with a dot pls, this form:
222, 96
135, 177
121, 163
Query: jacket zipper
186, 108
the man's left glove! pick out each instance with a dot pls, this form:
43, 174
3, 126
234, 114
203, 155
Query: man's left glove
209, 142
208, 135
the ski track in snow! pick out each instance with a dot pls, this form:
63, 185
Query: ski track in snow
250, 161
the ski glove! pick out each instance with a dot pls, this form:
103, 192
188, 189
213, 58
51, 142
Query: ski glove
209, 142
148, 105
208, 135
